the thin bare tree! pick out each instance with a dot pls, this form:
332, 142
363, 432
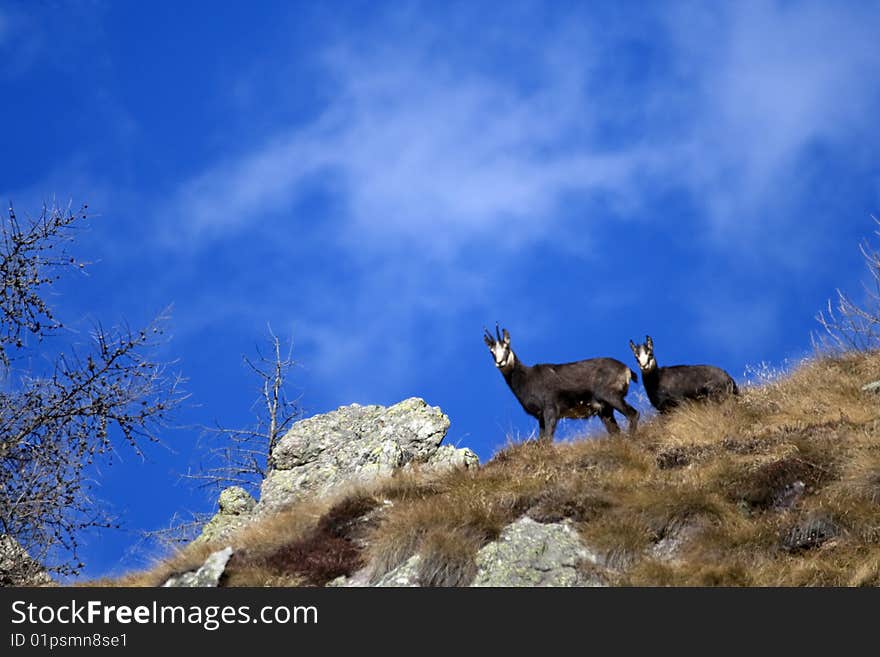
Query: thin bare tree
56, 424
182, 528
243, 457
850, 325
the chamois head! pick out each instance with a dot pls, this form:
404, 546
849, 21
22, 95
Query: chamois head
644, 354
500, 348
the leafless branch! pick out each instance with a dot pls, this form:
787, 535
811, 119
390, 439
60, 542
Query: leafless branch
243, 457
54, 426
846, 324
180, 531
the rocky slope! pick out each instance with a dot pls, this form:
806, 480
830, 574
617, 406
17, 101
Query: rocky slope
526, 553
778, 487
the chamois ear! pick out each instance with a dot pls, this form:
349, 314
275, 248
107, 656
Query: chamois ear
649, 342
632, 345
506, 337
487, 338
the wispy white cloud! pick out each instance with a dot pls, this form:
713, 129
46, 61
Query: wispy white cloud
424, 151
773, 80
428, 152
424, 148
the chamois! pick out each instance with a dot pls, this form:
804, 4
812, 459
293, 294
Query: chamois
667, 387
596, 386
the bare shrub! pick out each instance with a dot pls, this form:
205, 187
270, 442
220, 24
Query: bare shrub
57, 423
243, 457
848, 325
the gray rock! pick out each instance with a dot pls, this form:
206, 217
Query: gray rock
236, 501
360, 578
529, 553
789, 496
236, 507
207, 576
447, 456
358, 444
404, 575
17, 568
809, 532
670, 546
873, 386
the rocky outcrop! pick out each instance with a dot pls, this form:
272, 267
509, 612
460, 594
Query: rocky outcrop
809, 532
207, 576
358, 444
17, 568
670, 546
529, 553
236, 508
406, 575
236, 501
873, 386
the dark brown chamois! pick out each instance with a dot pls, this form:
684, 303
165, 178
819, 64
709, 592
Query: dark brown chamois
596, 386
667, 387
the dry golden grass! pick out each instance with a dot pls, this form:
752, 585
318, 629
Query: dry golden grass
187, 559
283, 528
713, 481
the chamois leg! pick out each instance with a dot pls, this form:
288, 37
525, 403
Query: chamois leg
607, 417
632, 415
547, 423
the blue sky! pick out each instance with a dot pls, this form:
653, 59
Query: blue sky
380, 180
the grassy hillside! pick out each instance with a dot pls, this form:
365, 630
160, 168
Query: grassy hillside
778, 487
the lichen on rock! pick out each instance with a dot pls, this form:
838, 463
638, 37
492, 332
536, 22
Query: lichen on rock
529, 553
358, 444
207, 575
236, 506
